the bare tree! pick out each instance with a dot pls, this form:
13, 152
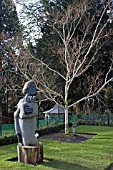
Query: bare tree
82, 37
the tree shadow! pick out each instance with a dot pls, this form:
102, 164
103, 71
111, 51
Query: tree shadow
61, 165
110, 167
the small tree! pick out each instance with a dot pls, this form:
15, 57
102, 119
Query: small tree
83, 35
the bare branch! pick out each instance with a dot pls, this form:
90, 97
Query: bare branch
38, 60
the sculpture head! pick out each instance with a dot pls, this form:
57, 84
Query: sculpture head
29, 88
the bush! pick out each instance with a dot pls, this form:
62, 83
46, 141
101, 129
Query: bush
51, 129
8, 140
13, 139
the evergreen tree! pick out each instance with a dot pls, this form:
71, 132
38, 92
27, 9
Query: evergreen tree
8, 17
9, 35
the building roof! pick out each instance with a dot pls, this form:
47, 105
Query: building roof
55, 110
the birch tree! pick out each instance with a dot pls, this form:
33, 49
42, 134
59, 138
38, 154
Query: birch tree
82, 36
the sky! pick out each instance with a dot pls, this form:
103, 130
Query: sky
24, 20
19, 3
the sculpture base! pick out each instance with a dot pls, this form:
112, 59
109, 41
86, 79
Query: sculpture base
30, 154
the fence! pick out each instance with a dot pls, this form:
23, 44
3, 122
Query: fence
8, 129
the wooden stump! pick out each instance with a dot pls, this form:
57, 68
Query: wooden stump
30, 154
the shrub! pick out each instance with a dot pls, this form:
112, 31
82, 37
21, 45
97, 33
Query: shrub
9, 139
51, 129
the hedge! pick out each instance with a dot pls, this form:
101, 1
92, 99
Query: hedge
9, 139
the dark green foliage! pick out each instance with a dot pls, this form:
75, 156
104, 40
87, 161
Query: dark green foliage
51, 129
8, 140
8, 17
108, 96
10, 36
9, 28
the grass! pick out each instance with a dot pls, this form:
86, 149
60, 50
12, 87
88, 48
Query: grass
93, 154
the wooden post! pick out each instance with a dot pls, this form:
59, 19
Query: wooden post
30, 154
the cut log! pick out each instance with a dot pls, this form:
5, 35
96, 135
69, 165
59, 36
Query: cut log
30, 154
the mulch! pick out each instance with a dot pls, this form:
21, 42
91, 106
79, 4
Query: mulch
68, 138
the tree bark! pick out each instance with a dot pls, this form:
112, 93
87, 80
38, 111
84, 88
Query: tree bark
30, 154
66, 122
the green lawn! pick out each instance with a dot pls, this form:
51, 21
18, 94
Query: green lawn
93, 154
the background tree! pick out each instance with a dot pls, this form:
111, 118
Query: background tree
9, 51
108, 98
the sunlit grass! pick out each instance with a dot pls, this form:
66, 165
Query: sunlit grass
93, 154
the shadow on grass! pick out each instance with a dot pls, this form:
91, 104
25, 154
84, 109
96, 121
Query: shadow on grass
15, 159
64, 165
61, 165
110, 167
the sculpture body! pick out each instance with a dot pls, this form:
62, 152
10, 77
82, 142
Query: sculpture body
25, 116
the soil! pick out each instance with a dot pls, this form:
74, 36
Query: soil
68, 138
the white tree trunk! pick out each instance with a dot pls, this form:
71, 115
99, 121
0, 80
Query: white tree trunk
66, 122
66, 104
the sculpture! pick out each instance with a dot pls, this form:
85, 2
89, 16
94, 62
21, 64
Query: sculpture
25, 116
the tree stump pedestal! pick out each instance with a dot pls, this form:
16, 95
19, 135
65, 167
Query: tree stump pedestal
30, 154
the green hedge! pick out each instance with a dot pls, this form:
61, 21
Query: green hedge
13, 139
8, 140
51, 129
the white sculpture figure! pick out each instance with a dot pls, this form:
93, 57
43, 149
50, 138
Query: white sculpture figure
25, 116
